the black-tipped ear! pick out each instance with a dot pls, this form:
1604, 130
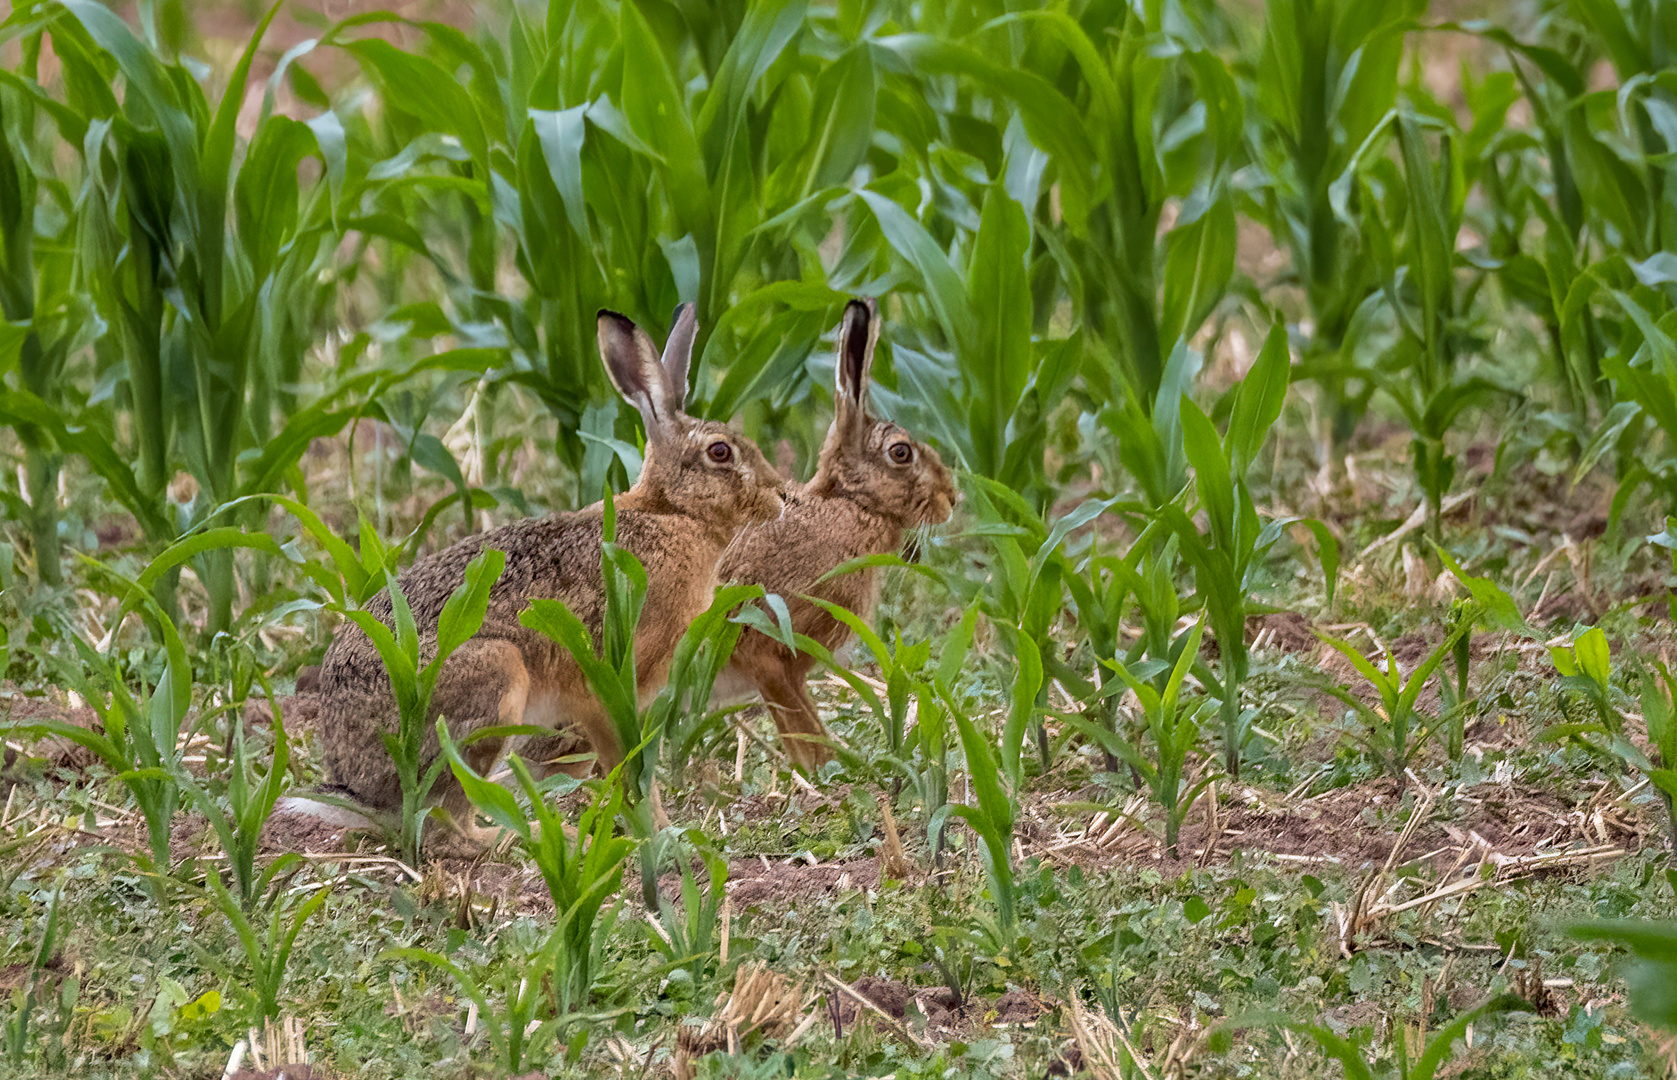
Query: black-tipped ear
632, 362
678, 350
857, 336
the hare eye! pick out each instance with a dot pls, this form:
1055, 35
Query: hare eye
720, 452
901, 453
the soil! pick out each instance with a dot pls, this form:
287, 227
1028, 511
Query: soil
947, 1016
1354, 826
751, 883
58, 752
287, 831
1288, 631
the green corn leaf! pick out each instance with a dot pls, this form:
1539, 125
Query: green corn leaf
956, 643
1498, 606
553, 619
1027, 682
1199, 260
493, 799
1211, 473
996, 347
842, 121
1382, 681
1258, 403
561, 135
1327, 549
1593, 654
398, 662
1173, 685
935, 276
463, 612
423, 89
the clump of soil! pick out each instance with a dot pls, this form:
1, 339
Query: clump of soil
1288, 631
59, 752
286, 831
947, 1015
751, 884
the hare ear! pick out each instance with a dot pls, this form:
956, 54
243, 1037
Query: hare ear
632, 362
857, 336
678, 350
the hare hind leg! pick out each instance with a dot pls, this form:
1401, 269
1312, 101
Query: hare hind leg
484, 684
567, 751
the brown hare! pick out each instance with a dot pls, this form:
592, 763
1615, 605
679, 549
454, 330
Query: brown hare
872, 484
699, 486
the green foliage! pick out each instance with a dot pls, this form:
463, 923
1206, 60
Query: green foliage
1394, 731
607, 657
250, 800
1352, 1053
686, 935
140, 735
1586, 669
267, 947
405, 235
16, 1032
582, 872
1223, 560
1653, 971
413, 668
1327, 78
1174, 728
992, 819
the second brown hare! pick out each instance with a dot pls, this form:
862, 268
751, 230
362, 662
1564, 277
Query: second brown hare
872, 484
700, 484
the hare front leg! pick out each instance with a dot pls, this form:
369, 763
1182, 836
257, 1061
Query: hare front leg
786, 693
483, 684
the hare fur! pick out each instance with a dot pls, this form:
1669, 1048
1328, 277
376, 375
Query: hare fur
872, 484
700, 484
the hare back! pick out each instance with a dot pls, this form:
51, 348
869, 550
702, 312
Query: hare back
554, 558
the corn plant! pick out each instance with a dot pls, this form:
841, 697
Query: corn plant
413, 670
1326, 79
206, 262
139, 737
250, 798
1586, 669
920, 755
1224, 557
1644, 370
1411, 237
582, 872
992, 819
1394, 732
47, 317
979, 379
1527, 179
266, 943
1353, 1053
1174, 726
1024, 595
718, 143
24, 999
607, 658
686, 934
1096, 119
1659, 711
1608, 152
